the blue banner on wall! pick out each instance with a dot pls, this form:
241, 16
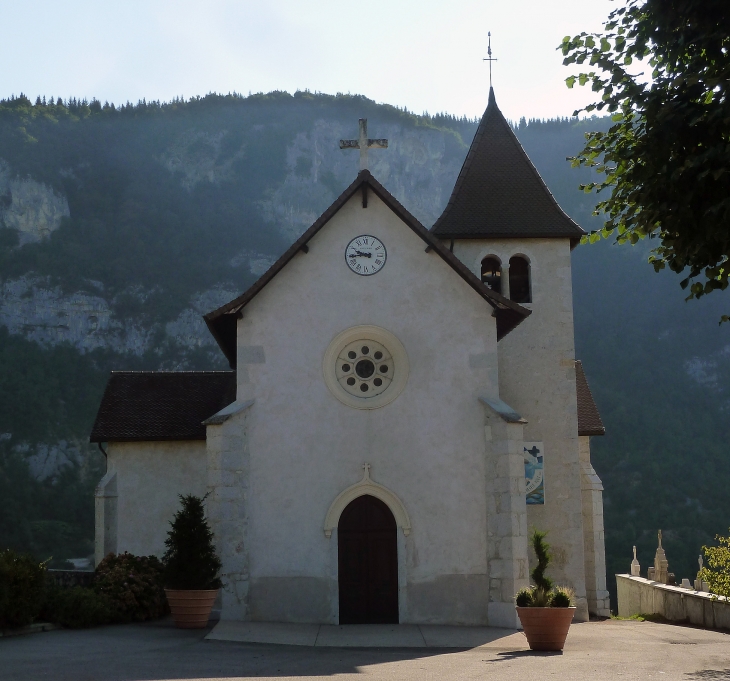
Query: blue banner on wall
534, 479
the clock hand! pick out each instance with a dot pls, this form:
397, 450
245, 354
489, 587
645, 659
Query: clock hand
363, 255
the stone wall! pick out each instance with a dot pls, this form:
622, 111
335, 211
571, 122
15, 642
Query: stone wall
507, 518
593, 534
70, 578
639, 596
537, 378
227, 458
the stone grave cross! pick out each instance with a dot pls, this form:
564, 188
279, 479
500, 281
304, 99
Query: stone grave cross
635, 566
363, 144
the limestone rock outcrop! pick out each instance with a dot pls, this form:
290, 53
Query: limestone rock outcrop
32, 208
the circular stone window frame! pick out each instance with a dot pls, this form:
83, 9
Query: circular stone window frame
364, 333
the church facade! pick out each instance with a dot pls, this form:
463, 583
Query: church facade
404, 406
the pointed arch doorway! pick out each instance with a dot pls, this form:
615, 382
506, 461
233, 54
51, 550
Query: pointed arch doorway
368, 563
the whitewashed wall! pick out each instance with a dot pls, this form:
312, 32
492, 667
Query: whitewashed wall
427, 446
149, 478
537, 378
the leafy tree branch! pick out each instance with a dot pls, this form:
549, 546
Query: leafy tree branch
661, 69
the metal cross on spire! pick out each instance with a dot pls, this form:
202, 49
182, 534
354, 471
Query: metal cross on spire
489, 57
363, 144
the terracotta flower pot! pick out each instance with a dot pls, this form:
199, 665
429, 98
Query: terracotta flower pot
191, 609
546, 628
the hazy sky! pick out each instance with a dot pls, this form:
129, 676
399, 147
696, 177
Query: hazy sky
425, 55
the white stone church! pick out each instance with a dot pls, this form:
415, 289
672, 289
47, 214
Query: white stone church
405, 405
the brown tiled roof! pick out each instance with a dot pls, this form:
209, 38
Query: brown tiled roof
499, 193
171, 405
222, 322
161, 405
589, 420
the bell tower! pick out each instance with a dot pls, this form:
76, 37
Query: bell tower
503, 223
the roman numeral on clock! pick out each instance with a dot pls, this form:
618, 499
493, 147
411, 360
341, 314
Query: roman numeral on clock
365, 255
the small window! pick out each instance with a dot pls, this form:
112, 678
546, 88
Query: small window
492, 273
519, 279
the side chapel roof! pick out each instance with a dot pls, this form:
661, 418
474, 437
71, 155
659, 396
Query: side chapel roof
222, 322
161, 405
589, 420
499, 193
171, 405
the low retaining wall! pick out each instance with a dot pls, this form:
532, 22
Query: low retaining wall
639, 596
69, 578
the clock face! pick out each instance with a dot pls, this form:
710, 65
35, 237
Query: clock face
365, 255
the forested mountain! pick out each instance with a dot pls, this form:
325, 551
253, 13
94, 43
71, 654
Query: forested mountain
119, 227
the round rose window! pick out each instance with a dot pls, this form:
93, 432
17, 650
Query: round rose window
365, 368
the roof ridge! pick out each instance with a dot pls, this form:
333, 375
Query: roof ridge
223, 330
490, 173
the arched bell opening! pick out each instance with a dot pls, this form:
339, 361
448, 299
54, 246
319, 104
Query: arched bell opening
492, 273
367, 563
520, 289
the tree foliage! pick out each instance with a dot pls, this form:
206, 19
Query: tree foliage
22, 582
190, 560
544, 594
77, 607
133, 586
662, 70
543, 555
717, 572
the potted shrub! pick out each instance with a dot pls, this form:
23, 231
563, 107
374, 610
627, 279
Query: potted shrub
545, 611
191, 566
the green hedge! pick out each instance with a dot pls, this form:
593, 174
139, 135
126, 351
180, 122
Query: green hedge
126, 588
133, 587
77, 607
22, 588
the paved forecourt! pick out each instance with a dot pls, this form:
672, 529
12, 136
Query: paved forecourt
141, 652
362, 635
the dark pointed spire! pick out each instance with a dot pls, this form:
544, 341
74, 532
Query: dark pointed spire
499, 193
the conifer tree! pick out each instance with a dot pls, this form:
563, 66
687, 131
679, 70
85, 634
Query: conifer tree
542, 553
190, 560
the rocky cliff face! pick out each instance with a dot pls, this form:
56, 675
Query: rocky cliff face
34, 308
416, 169
198, 156
33, 209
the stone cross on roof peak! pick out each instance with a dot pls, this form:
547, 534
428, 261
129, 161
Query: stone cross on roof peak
363, 144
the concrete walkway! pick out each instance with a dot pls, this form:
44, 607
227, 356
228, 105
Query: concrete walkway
360, 635
597, 651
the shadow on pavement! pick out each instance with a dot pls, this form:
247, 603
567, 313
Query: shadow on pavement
157, 651
515, 654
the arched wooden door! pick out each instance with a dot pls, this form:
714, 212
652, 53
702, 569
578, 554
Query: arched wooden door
368, 563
